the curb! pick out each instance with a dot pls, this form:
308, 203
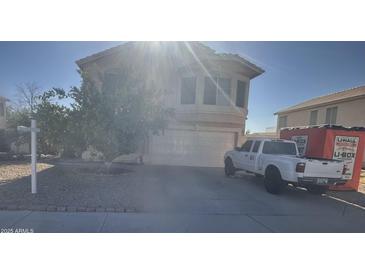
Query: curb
52, 208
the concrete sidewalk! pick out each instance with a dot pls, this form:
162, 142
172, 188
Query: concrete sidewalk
13, 221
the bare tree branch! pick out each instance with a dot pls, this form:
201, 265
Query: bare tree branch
28, 94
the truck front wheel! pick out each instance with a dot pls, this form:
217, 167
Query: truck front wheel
229, 168
273, 181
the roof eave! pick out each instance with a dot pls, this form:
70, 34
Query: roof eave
99, 55
320, 104
258, 73
257, 70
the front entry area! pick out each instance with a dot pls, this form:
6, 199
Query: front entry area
190, 147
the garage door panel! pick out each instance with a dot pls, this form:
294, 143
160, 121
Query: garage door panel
191, 148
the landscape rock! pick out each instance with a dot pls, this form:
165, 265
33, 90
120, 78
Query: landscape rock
91, 154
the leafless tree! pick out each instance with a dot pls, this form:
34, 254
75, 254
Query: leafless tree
28, 95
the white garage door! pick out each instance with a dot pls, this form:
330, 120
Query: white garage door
190, 148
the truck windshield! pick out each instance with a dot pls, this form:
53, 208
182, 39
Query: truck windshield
279, 148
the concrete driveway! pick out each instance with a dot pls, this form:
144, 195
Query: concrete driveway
186, 199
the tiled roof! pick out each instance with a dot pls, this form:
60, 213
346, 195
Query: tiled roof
196, 45
102, 53
327, 99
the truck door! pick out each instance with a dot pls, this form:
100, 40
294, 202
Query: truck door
252, 158
244, 155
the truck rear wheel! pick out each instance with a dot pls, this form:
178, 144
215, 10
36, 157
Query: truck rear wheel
229, 168
314, 189
273, 181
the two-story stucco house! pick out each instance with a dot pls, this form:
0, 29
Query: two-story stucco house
345, 108
2, 112
208, 91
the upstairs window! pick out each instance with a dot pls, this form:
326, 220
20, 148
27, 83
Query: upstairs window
217, 91
283, 122
188, 90
224, 92
210, 91
241, 94
313, 119
111, 81
331, 115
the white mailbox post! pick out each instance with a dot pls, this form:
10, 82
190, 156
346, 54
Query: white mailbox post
33, 140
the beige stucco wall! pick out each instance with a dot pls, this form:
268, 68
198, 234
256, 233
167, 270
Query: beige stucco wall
349, 114
169, 80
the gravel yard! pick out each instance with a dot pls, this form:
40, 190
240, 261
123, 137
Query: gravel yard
62, 186
10, 171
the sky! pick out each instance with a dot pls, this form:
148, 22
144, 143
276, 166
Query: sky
294, 71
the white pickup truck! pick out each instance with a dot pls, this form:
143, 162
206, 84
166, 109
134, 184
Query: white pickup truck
279, 163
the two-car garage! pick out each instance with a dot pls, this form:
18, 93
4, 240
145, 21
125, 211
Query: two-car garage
190, 147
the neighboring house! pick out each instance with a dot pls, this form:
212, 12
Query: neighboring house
345, 108
208, 91
2, 112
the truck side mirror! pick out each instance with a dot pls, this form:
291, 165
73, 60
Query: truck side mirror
237, 149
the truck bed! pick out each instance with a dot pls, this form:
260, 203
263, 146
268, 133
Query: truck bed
322, 168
